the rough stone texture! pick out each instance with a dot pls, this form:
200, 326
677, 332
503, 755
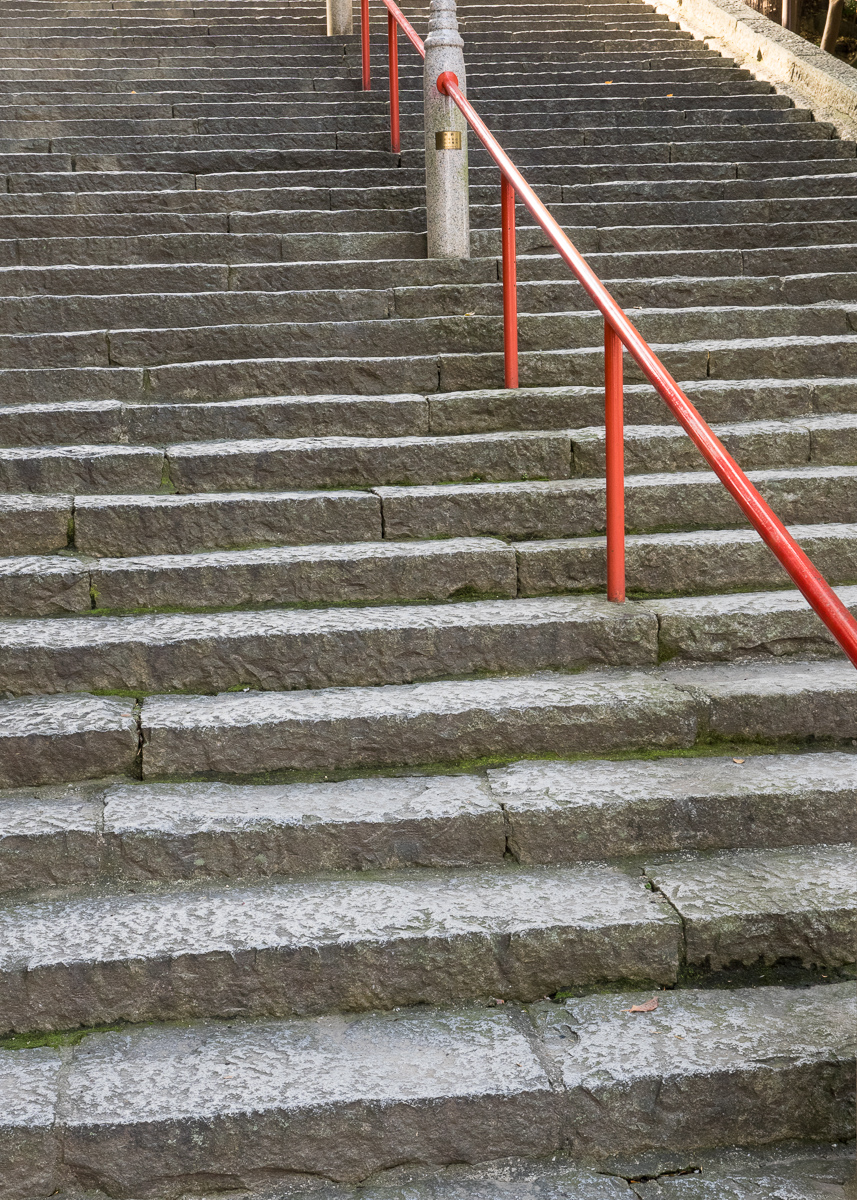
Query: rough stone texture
34, 524
281, 416
704, 560
319, 946
315, 462
314, 574
256, 732
29, 1153
328, 648
774, 53
41, 585
559, 812
119, 525
339, 1096
802, 700
221, 830
81, 469
48, 838
53, 739
763, 905
796, 1171
554, 1179
754, 625
704, 1068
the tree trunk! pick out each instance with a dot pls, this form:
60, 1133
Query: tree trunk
831, 25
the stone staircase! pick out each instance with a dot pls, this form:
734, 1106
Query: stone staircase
336, 795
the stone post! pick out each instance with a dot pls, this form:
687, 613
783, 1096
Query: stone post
447, 204
339, 18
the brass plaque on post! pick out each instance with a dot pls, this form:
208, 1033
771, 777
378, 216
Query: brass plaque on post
447, 139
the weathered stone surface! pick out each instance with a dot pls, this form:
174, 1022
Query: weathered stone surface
347, 462
119, 525
49, 837
748, 625
318, 946
802, 700
552, 1179
764, 905
256, 732
280, 650
705, 560
75, 423
797, 1170
29, 1148
748, 1066
281, 416
41, 585
52, 739
34, 524
559, 812
219, 830
75, 469
315, 574
337, 1096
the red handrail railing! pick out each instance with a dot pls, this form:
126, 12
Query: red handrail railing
620, 334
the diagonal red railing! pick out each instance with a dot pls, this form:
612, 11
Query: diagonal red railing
619, 335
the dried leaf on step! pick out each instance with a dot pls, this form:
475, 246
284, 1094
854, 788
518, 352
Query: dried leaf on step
739, 760
649, 1006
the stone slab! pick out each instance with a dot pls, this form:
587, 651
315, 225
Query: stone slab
124, 525
749, 1066
49, 837
253, 732
700, 561
765, 905
34, 524
280, 649
786, 700
314, 946
748, 625
29, 1148
314, 574
337, 1096
43, 585
560, 812
54, 739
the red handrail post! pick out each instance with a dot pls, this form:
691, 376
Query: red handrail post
393, 60
614, 430
510, 283
364, 42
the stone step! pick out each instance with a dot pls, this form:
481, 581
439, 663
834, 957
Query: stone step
281, 650
545, 812
726, 559
654, 503
369, 572
63, 738
249, 733
313, 946
211, 379
782, 338
320, 1077
560, 927
302, 463
157, 278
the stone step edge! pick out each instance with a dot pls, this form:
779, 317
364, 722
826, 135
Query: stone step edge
76, 736
517, 933
433, 1087
546, 812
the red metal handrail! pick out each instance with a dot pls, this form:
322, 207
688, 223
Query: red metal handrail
805, 575
619, 334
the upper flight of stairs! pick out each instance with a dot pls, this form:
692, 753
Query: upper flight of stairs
336, 799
